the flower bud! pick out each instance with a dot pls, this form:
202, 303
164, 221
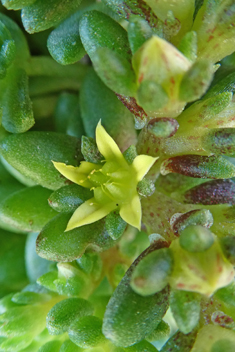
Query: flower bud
159, 67
196, 239
202, 272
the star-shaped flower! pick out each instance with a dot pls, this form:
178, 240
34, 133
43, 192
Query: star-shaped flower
114, 183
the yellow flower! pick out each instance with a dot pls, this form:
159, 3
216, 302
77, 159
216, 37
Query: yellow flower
114, 183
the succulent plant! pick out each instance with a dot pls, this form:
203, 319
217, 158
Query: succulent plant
117, 176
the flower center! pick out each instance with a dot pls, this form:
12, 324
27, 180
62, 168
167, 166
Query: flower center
116, 183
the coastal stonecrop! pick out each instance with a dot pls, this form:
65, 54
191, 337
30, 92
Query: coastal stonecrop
118, 238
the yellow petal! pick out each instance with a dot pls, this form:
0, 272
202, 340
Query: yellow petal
89, 212
142, 164
108, 147
131, 212
77, 174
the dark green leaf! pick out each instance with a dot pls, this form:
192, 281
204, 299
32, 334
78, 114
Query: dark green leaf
54, 244
26, 210
185, 307
63, 314
99, 102
32, 153
42, 15
64, 43
68, 198
130, 317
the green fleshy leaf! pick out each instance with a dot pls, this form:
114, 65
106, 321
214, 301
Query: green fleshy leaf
214, 26
22, 320
47, 280
198, 5
180, 221
44, 85
115, 225
199, 166
74, 286
185, 307
42, 15
43, 108
90, 150
125, 8
151, 274
160, 332
62, 315
17, 113
196, 81
86, 332
212, 192
26, 210
138, 32
98, 30
35, 266
69, 346
130, 317
220, 141
224, 83
228, 246
161, 128
30, 298
12, 272
22, 49
99, 102
32, 153
115, 71
16, 4
54, 244
145, 188
130, 154
180, 342
72, 124
51, 346
143, 346
64, 42
17, 343
6, 303
188, 46
7, 55
91, 264
24, 180
8, 184
68, 198
151, 95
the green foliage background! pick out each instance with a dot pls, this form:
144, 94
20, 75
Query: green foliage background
160, 75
